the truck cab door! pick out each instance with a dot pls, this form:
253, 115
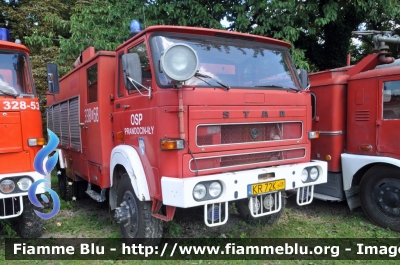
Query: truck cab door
388, 133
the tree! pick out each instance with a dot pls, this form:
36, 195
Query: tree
103, 24
195, 13
26, 18
319, 29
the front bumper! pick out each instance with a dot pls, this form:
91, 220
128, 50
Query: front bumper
178, 192
11, 205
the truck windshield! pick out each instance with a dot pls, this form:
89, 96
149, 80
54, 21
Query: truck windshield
15, 74
233, 62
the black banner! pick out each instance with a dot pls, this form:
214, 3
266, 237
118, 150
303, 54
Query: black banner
203, 249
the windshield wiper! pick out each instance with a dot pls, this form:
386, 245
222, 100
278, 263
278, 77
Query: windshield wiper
207, 76
284, 87
8, 94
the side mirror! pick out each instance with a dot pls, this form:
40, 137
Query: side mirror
304, 81
131, 67
52, 78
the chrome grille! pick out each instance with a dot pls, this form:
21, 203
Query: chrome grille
209, 163
247, 133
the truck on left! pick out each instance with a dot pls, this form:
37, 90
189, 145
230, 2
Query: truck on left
21, 137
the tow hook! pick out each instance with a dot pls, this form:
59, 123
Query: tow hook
122, 213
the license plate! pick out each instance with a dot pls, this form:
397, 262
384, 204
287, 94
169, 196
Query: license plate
265, 187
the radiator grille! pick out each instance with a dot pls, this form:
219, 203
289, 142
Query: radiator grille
247, 133
244, 159
10, 207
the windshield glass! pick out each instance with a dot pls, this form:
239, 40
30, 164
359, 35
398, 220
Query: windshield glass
15, 74
232, 62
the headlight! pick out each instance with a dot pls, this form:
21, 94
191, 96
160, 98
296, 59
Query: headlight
24, 184
7, 186
179, 62
199, 191
304, 175
215, 189
314, 173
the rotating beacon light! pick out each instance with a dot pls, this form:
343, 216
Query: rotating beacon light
135, 27
4, 34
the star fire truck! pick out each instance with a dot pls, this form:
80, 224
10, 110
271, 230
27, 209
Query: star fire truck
21, 137
185, 117
358, 119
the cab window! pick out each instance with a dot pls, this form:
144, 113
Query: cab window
141, 50
92, 84
391, 100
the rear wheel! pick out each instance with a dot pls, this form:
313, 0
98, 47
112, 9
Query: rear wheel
380, 196
244, 210
140, 224
29, 225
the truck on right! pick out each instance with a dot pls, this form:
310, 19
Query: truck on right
356, 110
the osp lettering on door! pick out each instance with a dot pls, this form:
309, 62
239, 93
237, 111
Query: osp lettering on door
137, 129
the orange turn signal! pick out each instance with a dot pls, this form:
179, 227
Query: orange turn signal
35, 141
365, 147
172, 144
120, 136
313, 134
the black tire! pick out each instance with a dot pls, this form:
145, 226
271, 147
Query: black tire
242, 207
66, 186
380, 196
141, 224
81, 187
29, 225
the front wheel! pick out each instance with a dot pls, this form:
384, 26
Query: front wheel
29, 225
140, 224
380, 196
243, 208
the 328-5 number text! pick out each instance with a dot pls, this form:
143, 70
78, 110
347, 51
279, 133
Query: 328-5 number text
14, 105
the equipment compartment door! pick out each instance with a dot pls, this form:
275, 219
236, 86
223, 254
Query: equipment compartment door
91, 129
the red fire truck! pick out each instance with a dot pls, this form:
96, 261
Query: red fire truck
185, 117
358, 116
21, 137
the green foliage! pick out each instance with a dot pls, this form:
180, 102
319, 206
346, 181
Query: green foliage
322, 29
174, 229
6, 230
206, 14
